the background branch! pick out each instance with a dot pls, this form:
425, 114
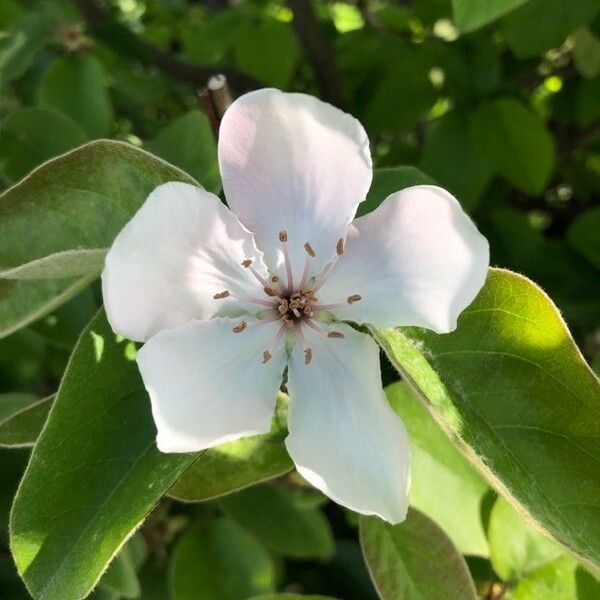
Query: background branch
318, 50
123, 41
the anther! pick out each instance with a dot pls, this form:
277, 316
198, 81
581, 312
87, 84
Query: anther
309, 250
224, 294
335, 334
269, 291
240, 327
287, 322
339, 247
266, 357
246, 263
283, 237
353, 298
307, 356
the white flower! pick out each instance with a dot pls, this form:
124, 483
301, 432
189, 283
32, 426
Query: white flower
226, 299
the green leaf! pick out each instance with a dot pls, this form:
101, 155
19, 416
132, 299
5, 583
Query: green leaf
268, 50
516, 548
276, 516
31, 136
223, 561
22, 417
515, 141
290, 597
121, 576
587, 107
451, 158
188, 143
583, 235
473, 14
401, 558
586, 53
19, 48
234, 466
106, 472
441, 478
562, 579
76, 86
513, 391
554, 21
389, 180
403, 93
23, 302
76, 203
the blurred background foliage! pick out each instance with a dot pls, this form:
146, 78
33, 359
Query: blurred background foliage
496, 100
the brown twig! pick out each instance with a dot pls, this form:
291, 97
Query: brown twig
216, 98
98, 20
318, 50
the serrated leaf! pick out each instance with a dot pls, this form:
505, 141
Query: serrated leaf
515, 142
512, 390
401, 559
275, 515
441, 478
106, 472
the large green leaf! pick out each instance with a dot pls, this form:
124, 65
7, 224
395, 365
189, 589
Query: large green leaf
583, 235
414, 560
234, 466
22, 302
515, 141
512, 390
473, 14
441, 478
22, 418
31, 136
70, 519
554, 20
466, 172
76, 85
76, 203
279, 519
188, 143
223, 561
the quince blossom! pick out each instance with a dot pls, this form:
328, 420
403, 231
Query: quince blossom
226, 299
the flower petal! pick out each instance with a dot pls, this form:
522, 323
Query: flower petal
344, 437
416, 260
181, 248
208, 385
290, 161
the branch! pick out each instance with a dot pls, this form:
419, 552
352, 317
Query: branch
123, 41
318, 50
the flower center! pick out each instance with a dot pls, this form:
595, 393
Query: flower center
293, 306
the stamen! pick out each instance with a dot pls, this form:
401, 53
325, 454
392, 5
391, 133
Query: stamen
269, 291
329, 334
339, 247
354, 298
325, 274
268, 354
307, 356
223, 294
307, 350
247, 264
310, 253
330, 306
252, 300
239, 328
335, 334
283, 238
